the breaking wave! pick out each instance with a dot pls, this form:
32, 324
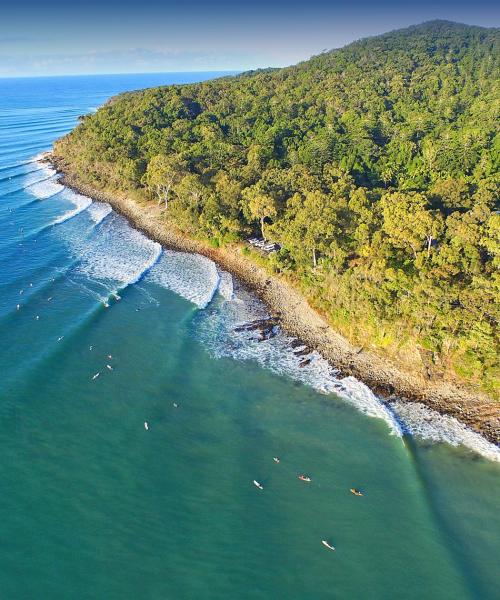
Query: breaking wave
226, 286
117, 255
80, 202
46, 188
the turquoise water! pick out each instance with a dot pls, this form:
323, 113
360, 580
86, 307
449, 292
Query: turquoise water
94, 506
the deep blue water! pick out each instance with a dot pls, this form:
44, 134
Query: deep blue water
102, 331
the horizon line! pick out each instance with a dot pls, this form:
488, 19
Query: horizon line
229, 71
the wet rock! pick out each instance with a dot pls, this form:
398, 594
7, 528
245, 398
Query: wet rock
266, 328
258, 324
303, 352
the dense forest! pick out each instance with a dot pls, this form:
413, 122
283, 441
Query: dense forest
374, 166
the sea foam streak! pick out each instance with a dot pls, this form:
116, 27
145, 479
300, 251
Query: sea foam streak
192, 276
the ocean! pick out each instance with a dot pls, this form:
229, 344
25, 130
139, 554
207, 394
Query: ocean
134, 419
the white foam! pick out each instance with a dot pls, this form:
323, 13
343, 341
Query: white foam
147, 266
98, 211
192, 276
80, 202
22, 174
226, 287
360, 395
45, 189
422, 422
117, 255
40, 157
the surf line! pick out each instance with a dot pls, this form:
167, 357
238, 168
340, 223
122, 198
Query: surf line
115, 294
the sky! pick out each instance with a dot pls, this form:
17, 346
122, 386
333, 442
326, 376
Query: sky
120, 36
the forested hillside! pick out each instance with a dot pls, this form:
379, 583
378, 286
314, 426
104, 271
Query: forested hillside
374, 166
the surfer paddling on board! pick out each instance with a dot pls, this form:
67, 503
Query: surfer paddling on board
257, 484
327, 545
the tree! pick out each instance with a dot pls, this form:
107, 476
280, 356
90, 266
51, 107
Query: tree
161, 174
262, 207
311, 224
408, 222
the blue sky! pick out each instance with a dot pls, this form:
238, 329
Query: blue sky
56, 37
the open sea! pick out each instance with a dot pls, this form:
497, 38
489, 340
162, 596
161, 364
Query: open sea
103, 332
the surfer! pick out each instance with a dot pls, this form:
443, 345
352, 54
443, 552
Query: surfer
175, 405
327, 545
60, 338
146, 426
305, 478
257, 484
109, 367
96, 375
356, 492
18, 306
276, 459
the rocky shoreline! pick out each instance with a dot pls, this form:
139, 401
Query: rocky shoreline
293, 313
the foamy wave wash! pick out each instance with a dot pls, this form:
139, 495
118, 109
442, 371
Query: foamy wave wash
98, 211
420, 421
118, 255
46, 186
192, 276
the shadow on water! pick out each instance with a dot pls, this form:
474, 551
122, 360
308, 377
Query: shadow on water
452, 539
